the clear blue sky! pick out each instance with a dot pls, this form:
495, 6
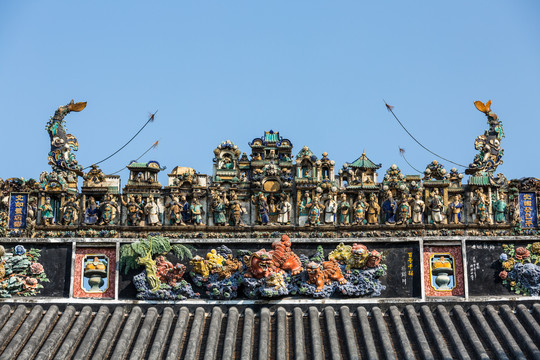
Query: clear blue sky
316, 71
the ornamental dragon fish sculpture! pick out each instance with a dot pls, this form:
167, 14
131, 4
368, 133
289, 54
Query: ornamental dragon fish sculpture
61, 156
490, 152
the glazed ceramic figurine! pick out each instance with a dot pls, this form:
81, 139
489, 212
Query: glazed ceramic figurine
47, 215
330, 210
186, 209
481, 207
324, 274
490, 153
314, 212
359, 210
91, 215
236, 211
61, 156
303, 208
151, 210
436, 206
418, 209
455, 209
284, 258
404, 209
108, 210
344, 211
259, 264
199, 266
389, 209
70, 211
175, 212
373, 210
134, 211
219, 208
499, 209
262, 208
196, 212
284, 208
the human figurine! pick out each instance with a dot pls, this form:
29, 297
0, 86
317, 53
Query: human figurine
219, 208
91, 215
284, 209
330, 210
359, 207
186, 209
499, 209
454, 209
236, 211
108, 210
134, 211
243, 177
418, 209
47, 215
344, 211
151, 211
196, 211
175, 212
303, 208
226, 163
314, 212
262, 208
436, 207
389, 209
373, 210
70, 211
404, 209
481, 207
273, 210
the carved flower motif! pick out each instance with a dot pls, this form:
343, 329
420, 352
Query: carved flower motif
522, 253
508, 264
20, 250
36, 268
535, 248
30, 283
503, 274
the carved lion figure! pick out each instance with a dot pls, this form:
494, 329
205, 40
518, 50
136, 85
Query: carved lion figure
284, 258
355, 256
200, 267
167, 273
324, 274
276, 281
259, 264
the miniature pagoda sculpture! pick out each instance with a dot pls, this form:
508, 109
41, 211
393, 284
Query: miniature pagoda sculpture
226, 162
361, 173
490, 152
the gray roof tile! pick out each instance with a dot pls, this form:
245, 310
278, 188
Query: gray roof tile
405, 331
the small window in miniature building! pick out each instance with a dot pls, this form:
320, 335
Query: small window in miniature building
305, 169
325, 173
226, 162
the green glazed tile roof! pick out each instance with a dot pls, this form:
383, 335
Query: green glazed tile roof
479, 180
270, 136
364, 162
137, 165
